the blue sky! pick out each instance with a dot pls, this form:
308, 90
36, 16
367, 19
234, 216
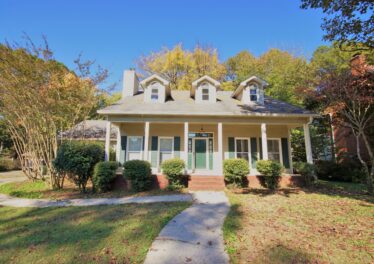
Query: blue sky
116, 33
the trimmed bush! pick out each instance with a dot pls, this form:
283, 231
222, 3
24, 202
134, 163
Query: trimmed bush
77, 160
272, 171
139, 173
307, 170
104, 175
6, 164
235, 170
173, 169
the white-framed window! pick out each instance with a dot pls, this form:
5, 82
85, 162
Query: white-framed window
154, 91
205, 92
274, 150
253, 93
166, 147
242, 148
134, 147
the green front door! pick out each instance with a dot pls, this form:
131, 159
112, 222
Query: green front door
200, 154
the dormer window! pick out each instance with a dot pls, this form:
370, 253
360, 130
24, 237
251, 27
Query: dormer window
156, 89
205, 92
154, 92
253, 93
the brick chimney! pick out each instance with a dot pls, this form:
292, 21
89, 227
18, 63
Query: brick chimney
130, 83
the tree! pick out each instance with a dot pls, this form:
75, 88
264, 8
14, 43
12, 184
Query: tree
181, 67
5, 138
350, 97
348, 22
281, 70
41, 97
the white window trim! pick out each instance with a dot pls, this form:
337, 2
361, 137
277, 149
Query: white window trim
128, 151
280, 149
253, 87
249, 149
158, 94
159, 152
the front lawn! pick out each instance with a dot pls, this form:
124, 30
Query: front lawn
40, 189
332, 223
97, 234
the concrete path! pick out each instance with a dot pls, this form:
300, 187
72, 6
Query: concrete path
6, 200
195, 235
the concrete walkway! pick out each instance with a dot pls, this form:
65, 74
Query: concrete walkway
12, 176
195, 235
6, 200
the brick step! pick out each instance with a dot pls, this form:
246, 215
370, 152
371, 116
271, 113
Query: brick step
207, 183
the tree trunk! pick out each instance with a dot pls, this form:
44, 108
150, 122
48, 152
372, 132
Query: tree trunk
370, 175
369, 179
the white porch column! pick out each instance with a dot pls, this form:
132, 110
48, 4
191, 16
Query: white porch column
264, 142
107, 140
185, 143
308, 145
290, 149
146, 141
220, 150
118, 146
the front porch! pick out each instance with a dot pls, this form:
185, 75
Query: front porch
205, 145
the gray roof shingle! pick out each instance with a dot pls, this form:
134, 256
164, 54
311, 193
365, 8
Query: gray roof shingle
180, 103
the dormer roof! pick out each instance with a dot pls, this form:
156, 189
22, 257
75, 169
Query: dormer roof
144, 82
244, 83
207, 78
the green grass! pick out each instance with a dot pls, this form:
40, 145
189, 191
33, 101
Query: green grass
40, 189
97, 234
318, 225
26, 189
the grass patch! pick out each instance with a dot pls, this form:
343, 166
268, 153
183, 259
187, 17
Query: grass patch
301, 226
97, 234
40, 189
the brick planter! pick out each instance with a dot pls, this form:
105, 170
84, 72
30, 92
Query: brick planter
257, 181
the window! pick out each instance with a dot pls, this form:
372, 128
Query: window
134, 148
166, 149
154, 94
274, 150
205, 92
253, 93
241, 149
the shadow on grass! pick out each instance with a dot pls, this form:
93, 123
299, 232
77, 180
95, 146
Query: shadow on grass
281, 254
74, 233
334, 189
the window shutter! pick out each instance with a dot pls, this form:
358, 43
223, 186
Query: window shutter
231, 147
254, 152
260, 145
285, 153
122, 154
177, 146
154, 151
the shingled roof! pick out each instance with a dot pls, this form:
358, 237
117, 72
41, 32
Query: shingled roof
180, 103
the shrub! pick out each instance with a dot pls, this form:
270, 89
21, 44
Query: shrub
307, 170
235, 170
345, 170
76, 160
139, 173
272, 171
173, 169
104, 175
6, 164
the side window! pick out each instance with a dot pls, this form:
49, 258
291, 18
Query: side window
134, 147
166, 149
205, 92
241, 149
253, 93
274, 150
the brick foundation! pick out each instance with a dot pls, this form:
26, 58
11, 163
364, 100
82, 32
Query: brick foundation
257, 181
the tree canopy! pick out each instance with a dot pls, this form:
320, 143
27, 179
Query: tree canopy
349, 22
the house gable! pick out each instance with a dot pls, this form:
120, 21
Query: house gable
156, 89
251, 91
204, 90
